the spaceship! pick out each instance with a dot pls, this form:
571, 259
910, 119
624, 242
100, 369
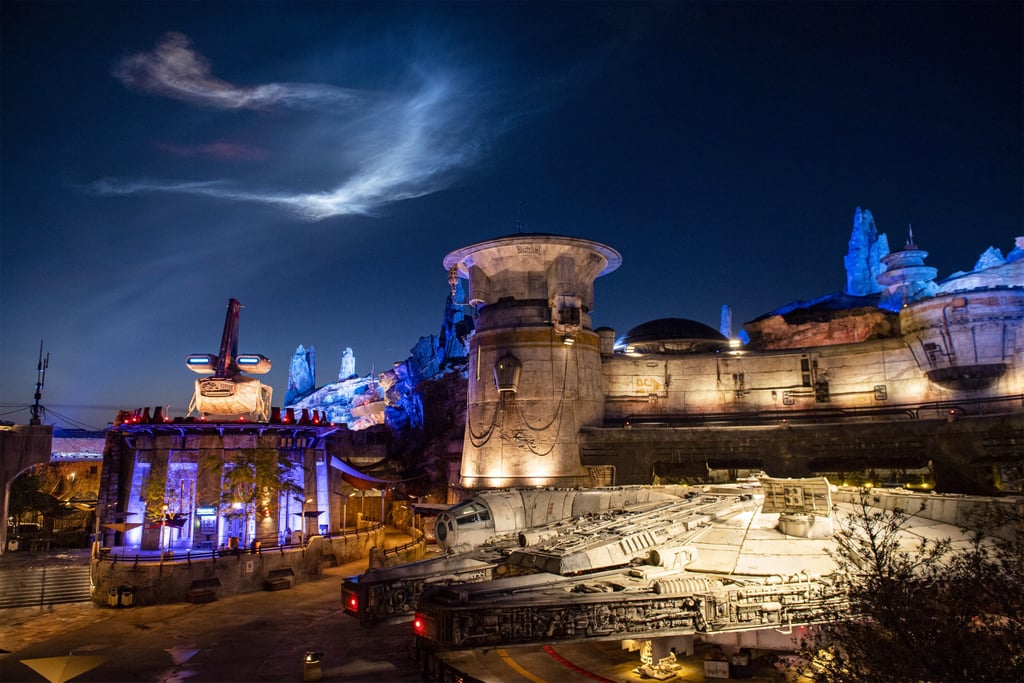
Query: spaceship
228, 392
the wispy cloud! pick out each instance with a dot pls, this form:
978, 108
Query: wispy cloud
115, 187
214, 150
173, 69
383, 147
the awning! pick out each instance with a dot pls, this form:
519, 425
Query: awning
358, 479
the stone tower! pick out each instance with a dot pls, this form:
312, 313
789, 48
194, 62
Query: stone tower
906, 278
534, 359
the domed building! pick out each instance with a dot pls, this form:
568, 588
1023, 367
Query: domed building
672, 335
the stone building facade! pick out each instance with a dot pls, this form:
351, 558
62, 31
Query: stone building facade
929, 395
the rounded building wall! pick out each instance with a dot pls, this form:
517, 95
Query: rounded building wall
533, 294
880, 379
968, 340
528, 437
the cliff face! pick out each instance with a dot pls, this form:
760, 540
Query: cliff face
808, 327
422, 449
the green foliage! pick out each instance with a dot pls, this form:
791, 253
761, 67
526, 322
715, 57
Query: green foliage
926, 613
154, 488
24, 495
254, 480
28, 493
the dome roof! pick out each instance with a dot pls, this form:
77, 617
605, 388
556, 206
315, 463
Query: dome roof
678, 335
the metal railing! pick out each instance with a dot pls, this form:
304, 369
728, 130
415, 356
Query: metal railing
399, 549
996, 405
189, 555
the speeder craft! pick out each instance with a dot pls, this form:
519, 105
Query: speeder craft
228, 392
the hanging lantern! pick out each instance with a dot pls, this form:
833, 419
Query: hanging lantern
507, 370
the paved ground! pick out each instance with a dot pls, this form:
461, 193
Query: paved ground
254, 637
264, 637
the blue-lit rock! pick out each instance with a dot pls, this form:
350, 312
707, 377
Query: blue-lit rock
990, 258
348, 365
355, 402
1017, 253
991, 270
301, 375
390, 398
453, 342
864, 259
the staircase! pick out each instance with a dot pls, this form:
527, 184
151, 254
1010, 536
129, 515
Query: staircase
32, 586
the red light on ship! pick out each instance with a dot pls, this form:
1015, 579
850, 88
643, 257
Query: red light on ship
417, 625
350, 597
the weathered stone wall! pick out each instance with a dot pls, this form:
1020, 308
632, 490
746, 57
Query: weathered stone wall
533, 294
21, 447
876, 375
155, 583
961, 450
415, 549
528, 438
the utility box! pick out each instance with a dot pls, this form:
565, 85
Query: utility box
716, 669
122, 596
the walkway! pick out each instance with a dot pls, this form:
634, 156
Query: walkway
252, 637
264, 636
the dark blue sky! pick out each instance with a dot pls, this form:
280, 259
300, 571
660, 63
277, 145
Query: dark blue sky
317, 162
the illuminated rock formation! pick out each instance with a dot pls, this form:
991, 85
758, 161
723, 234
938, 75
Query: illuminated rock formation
301, 375
864, 259
348, 365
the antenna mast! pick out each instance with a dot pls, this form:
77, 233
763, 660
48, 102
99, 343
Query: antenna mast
37, 410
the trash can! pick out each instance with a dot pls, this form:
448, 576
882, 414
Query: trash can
311, 670
114, 597
127, 596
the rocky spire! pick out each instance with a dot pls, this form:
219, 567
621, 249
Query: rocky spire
725, 322
348, 365
301, 375
864, 259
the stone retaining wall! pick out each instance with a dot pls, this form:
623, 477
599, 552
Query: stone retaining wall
414, 550
150, 582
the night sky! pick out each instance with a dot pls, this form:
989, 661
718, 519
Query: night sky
318, 161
